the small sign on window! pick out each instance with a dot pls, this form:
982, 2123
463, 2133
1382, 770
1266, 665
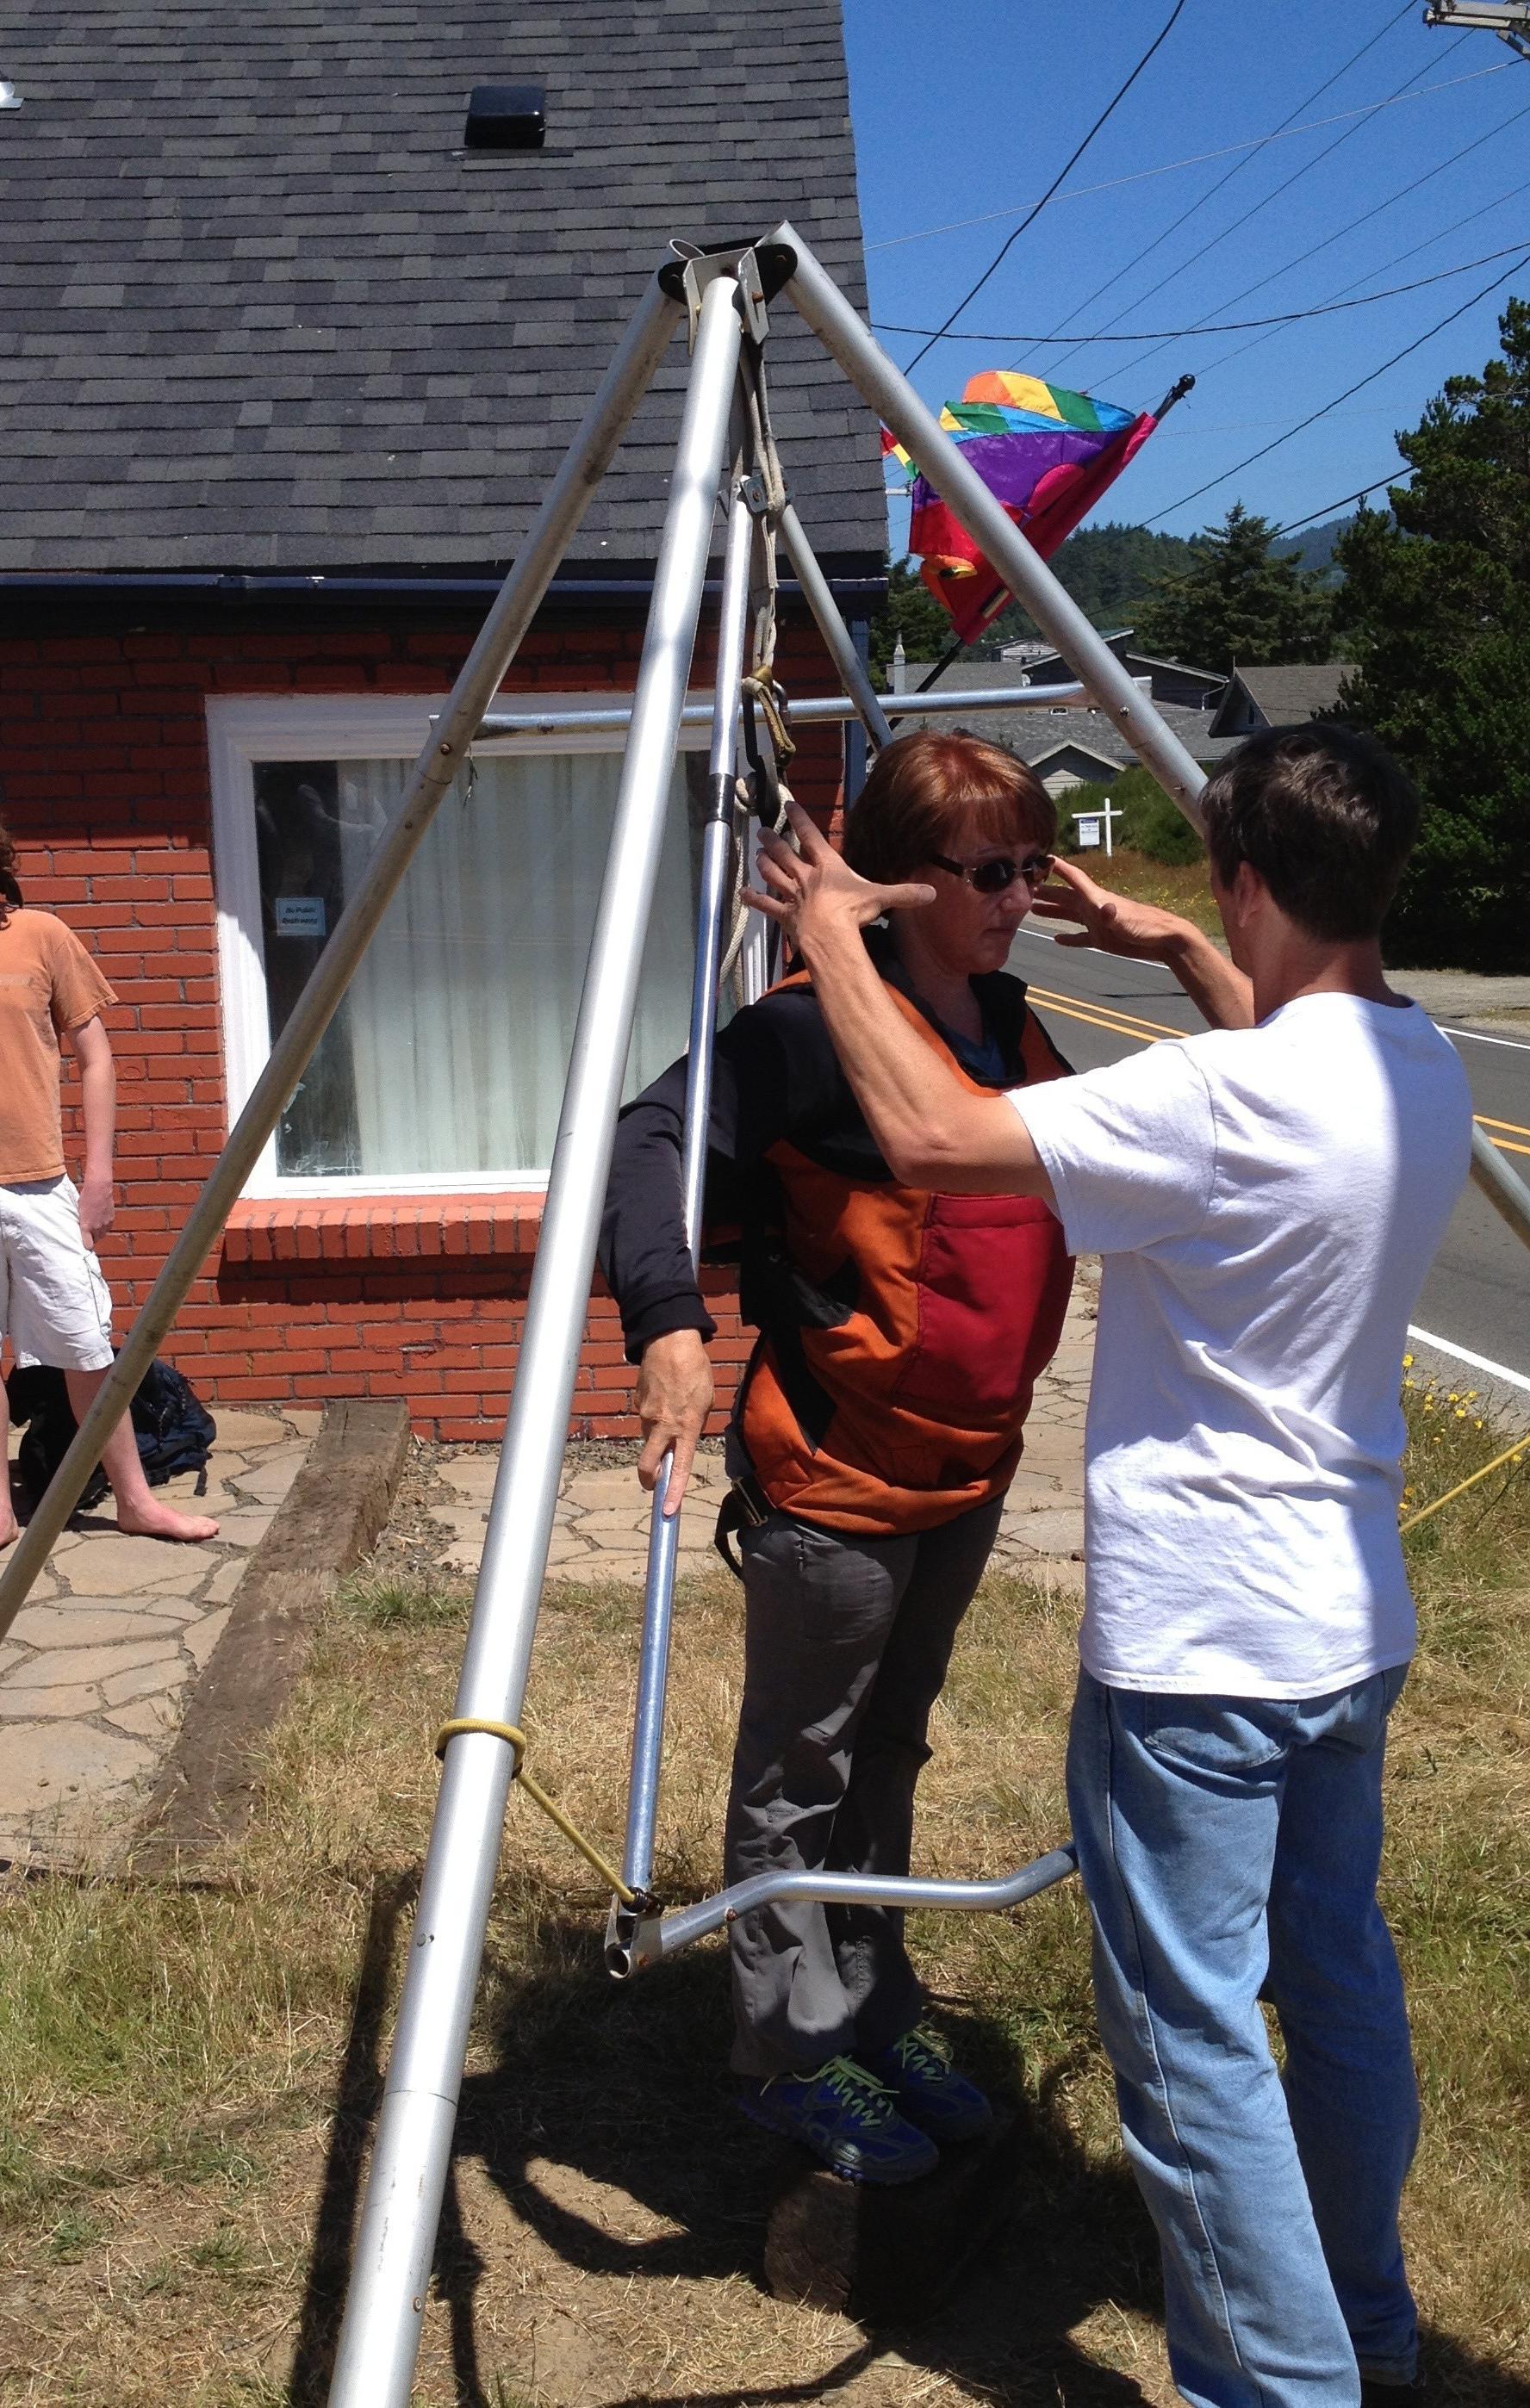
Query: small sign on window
299, 915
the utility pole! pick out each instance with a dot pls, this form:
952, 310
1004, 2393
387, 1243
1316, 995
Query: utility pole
1510, 20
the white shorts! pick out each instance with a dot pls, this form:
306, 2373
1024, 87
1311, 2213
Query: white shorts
55, 1307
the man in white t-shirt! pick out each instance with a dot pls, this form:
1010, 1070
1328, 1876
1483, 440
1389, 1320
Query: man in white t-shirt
1266, 1198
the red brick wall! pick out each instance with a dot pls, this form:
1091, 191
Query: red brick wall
106, 790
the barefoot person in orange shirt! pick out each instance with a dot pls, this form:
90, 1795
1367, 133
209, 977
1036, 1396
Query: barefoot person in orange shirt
55, 1304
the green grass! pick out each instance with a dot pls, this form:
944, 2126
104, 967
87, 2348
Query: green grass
169, 2056
389, 1601
1172, 886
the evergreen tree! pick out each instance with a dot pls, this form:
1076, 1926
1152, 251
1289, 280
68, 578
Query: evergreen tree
1237, 605
911, 611
1109, 570
1436, 612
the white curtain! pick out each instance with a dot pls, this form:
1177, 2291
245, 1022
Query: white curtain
462, 1012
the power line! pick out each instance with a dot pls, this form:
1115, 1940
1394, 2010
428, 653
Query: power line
1237, 169
1230, 327
1161, 37
1339, 398
1313, 517
1192, 159
1403, 192
1269, 198
1471, 217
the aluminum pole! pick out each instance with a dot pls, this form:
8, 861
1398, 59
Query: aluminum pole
812, 711
1029, 580
585, 462
1505, 1190
380, 2338
854, 675
689, 1922
716, 886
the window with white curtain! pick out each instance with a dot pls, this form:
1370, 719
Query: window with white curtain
444, 1065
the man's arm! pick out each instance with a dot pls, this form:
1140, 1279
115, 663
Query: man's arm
932, 1132
1118, 923
91, 1049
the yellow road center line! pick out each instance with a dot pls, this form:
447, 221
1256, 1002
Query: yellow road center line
1111, 1027
1128, 1020
1515, 1128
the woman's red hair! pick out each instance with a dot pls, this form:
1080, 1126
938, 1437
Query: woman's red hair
930, 791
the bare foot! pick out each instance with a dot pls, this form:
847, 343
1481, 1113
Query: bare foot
155, 1521
10, 1532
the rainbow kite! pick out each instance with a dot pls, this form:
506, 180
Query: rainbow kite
1045, 454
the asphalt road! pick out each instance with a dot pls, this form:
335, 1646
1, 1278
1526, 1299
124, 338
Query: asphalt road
1475, 1303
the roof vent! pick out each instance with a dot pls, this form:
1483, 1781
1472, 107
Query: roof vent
9, 96
507, 117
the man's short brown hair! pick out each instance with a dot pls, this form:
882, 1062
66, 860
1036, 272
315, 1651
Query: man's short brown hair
1327, 819
927, 789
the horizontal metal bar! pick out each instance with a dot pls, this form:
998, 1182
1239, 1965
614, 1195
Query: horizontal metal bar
665, 1936
813, 711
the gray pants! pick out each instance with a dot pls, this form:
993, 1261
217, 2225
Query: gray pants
846, 1645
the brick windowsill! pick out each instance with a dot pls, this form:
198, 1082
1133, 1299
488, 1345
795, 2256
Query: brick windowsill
383, 1228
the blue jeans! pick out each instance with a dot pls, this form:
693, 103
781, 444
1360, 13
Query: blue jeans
1229, 1848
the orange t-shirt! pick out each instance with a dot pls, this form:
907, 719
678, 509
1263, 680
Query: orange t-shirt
47, 983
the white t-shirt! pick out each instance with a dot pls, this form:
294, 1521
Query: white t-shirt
1267, 1201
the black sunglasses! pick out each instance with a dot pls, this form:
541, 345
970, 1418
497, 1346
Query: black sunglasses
993, 877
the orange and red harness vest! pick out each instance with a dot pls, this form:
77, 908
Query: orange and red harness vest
901, 1333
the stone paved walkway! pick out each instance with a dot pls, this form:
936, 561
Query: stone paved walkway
95, 1669
601, 1531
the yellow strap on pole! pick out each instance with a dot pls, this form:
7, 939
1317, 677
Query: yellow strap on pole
1509, 1455
515, 1741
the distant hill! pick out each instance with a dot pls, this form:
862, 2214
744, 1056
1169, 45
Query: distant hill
1314, 547
1107, 570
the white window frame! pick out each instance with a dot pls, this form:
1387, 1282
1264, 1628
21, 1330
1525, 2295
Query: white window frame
244, 729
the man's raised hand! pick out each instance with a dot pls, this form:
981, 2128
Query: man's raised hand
1113, 924
812, 886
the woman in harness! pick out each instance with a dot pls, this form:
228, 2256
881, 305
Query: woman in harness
876, 1430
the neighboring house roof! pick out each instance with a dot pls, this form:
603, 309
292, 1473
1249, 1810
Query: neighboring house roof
1286, 697
972, 676
1035, 735
1044, 762
1121, 640
265, 312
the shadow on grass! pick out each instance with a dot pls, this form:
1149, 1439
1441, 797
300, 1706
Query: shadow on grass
623, 2086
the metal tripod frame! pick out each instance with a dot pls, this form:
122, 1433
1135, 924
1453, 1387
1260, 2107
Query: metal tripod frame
725, 295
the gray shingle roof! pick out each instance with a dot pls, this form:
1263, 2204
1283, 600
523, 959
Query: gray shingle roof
1034, 734
265, 312
1289, 697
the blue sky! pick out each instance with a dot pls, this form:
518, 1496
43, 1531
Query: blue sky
965, 113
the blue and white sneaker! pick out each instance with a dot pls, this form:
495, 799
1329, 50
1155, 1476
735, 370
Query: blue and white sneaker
845, 2117
926, 2086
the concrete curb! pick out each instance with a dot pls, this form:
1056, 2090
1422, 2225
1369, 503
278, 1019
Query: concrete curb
332, 1516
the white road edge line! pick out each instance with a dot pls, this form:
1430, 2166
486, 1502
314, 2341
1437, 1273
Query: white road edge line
1517, 1044
1129, 961
1476, 1362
